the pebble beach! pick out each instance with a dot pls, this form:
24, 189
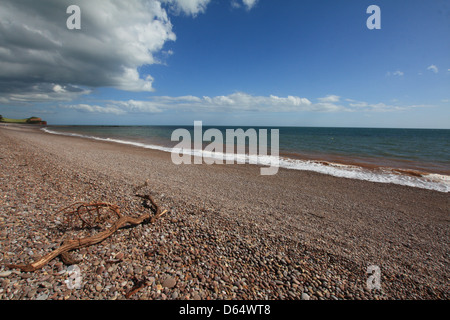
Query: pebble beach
228, 233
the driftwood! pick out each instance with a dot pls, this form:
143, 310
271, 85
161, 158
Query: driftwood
83, 213
138, 285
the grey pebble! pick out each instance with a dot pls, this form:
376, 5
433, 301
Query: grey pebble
42, 296
169, 282
5, 273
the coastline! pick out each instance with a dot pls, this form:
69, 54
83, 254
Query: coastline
229, 232
427, 175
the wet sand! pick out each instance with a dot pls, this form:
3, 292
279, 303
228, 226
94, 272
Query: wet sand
229, 232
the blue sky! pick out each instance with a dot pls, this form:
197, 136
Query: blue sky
232, 62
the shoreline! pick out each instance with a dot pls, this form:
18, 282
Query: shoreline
362, 168
229, 232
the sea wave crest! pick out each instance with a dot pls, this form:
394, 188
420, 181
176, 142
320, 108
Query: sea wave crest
437, 182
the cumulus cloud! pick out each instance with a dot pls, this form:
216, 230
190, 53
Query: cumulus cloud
236, 102
42, 60
37, 51
189, 7
433, 68
242, 102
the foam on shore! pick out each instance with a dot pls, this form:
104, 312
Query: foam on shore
437, 182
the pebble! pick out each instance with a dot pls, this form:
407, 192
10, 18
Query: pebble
119, 256
100, 270
169, 282
43, 296
201, 250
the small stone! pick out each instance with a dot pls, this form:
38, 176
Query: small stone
31, 293
42, 296
98, 287
169, 282
5, 274
119, 256
100, 270
305, 296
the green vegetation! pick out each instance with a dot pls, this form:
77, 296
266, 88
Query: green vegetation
31, 120
7, 120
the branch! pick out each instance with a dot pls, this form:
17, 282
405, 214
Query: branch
70, 245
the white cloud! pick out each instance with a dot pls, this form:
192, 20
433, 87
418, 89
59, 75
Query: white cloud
380, 107
95, 109
44, 93
397, 73
235, 4
116, 38
245, 102
242, 102
236, 102
135, 106
249, 4
433, 68
189, 7
357, 104
329, 98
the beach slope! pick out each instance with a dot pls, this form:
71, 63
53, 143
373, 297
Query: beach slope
229, 232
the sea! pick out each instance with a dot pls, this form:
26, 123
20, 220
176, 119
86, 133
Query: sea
412, 157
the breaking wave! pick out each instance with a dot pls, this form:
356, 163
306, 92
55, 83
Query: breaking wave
437, 182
